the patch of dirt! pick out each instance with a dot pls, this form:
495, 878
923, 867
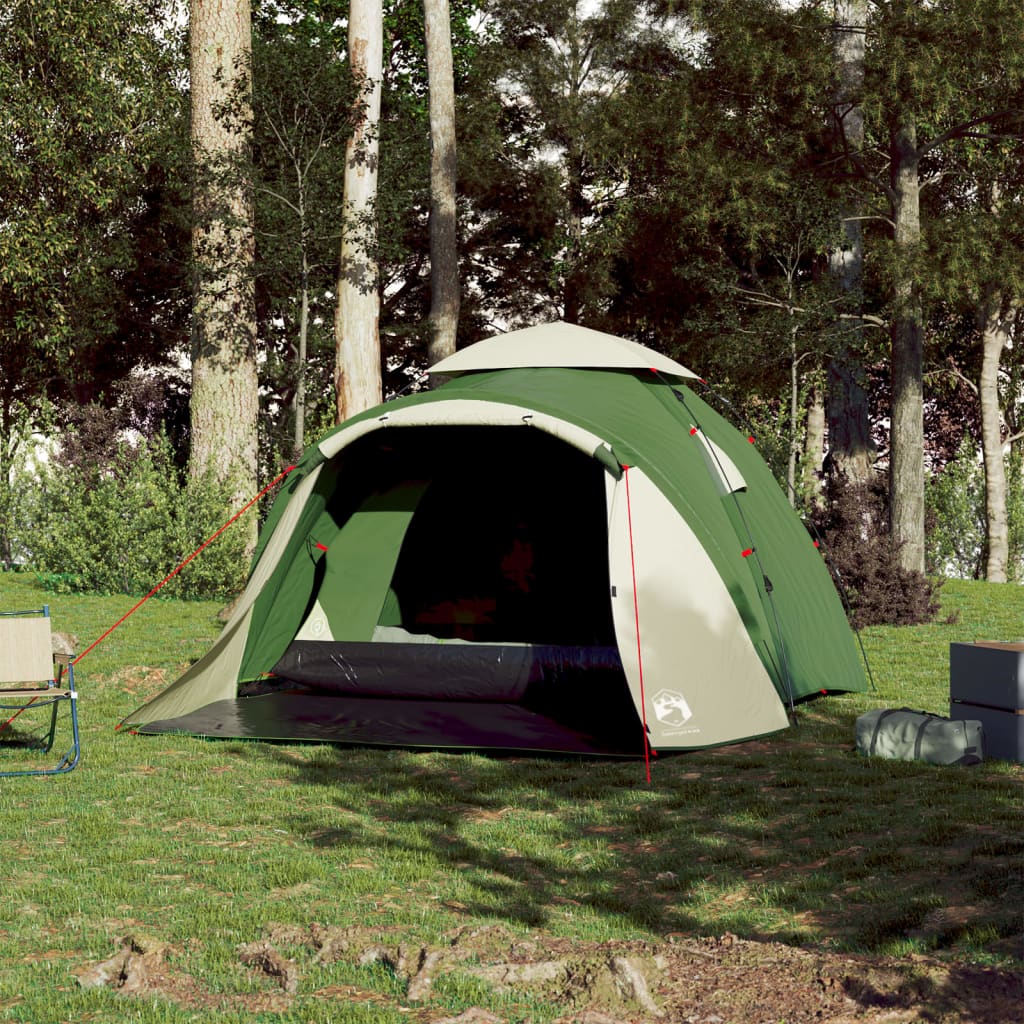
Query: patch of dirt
263, 957
141, 682
683, 980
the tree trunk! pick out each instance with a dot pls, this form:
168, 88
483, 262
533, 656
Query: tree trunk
995, 315
299, 404
850, 446
8, 452
574, 169
357, 374
224, 405
906, 446
444, 252
572, 300
849, 428
794, 418
814, 447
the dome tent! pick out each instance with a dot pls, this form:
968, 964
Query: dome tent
561, 548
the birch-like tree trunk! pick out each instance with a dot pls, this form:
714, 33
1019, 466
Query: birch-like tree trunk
444, 251
301, 353
906, 446
814, 447
357, 371
995, 316
794, 418
224, 404
849, 427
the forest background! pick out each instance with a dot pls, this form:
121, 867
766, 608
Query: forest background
817, 206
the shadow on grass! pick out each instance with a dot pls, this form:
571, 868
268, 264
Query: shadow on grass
993, 997
795, 839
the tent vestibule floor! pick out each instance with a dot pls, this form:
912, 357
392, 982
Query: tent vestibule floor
373, 721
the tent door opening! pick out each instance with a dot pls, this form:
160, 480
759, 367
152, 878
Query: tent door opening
481, 556
508, 543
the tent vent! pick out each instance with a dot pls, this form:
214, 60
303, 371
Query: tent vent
723, 470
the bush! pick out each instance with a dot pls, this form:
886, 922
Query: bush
123, 525
855, 529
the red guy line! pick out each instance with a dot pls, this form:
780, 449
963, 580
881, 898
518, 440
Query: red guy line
181, 565
18, 713
636, 612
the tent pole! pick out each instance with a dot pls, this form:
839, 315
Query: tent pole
766, 587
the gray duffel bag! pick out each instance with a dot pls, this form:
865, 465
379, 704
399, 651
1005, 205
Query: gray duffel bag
905, 735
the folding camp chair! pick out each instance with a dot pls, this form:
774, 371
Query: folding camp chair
33, 678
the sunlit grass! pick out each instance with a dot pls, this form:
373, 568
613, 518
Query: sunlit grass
203, 845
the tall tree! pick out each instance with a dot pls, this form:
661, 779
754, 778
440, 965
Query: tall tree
357, 320
980, 275
88, 111
563, 72
996, 315
936, 76
849, 428
906, 428
302, 96
225, 391
744, 223
444, 253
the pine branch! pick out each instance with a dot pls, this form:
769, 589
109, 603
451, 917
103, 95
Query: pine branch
965, 129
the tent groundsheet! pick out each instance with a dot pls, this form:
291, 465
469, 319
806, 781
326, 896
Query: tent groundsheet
377, 721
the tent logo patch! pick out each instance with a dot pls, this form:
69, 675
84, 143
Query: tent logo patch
670, 708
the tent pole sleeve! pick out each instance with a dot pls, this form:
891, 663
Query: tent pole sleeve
607, 458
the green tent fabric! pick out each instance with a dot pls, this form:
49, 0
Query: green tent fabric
358, 566
563, 492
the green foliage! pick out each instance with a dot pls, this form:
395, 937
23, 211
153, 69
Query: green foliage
955, 505
18, 447
956, 75
955, 510
765, 418
122, 526
1015, 513
566, 113
86, 100
302, 117
723, 173
90, 244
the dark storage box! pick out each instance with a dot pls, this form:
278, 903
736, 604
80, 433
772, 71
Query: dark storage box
986, 682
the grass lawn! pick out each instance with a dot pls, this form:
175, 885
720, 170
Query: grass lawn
202, 846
